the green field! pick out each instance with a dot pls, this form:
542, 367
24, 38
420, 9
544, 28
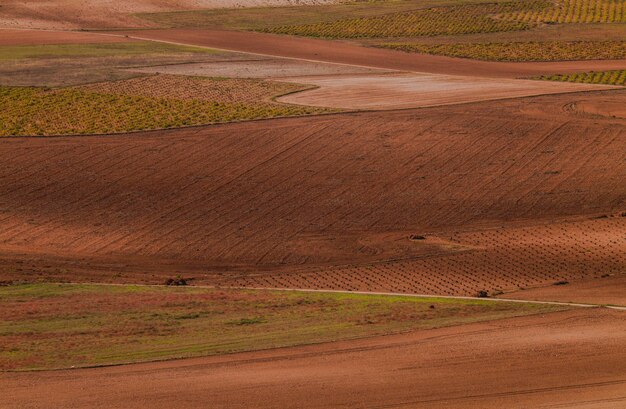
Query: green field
521, 51
141, 104
63, 325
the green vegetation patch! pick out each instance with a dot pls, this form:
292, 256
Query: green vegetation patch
616, 77
522, 51
104, 109
95, 50
46, 326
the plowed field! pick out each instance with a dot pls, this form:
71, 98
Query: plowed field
499, 260
226, 202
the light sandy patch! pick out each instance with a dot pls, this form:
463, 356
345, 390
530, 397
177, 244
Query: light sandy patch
260, 68
413, 90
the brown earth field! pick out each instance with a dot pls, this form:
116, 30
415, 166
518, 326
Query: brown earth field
608, 290
353, 54
511, 194
517, 198
571, 359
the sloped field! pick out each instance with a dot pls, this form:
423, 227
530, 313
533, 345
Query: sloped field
339, 190
494, 261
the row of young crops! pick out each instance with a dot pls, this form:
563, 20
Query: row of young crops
465, 19
574, 11
522, 51
616, 77
123, 106
502, 259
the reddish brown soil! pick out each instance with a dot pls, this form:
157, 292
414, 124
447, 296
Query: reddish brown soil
568, 359
610, 106
225, 203
607, 289
350, 53
39, 37
493, 260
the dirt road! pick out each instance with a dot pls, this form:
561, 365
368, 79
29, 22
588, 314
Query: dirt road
353, 54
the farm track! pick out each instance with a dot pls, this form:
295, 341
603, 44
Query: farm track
326, 202
340, 52
569, 359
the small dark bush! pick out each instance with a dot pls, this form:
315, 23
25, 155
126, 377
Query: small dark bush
482, 294
176, 281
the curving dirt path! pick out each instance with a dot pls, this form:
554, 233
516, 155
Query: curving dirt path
560, 360
343, 52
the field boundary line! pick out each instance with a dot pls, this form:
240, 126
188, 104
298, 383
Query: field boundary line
451, 297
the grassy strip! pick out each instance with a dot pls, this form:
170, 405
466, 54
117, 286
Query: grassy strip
95, 50
56, 326
617, 77
138, 105
521, 51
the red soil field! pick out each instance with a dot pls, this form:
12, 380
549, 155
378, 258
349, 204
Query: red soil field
353, 54
489, 260
224, 203
39, 37
609, 290
560, 360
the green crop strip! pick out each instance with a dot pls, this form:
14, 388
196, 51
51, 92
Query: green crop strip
139, 105
521, 51
45, 326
